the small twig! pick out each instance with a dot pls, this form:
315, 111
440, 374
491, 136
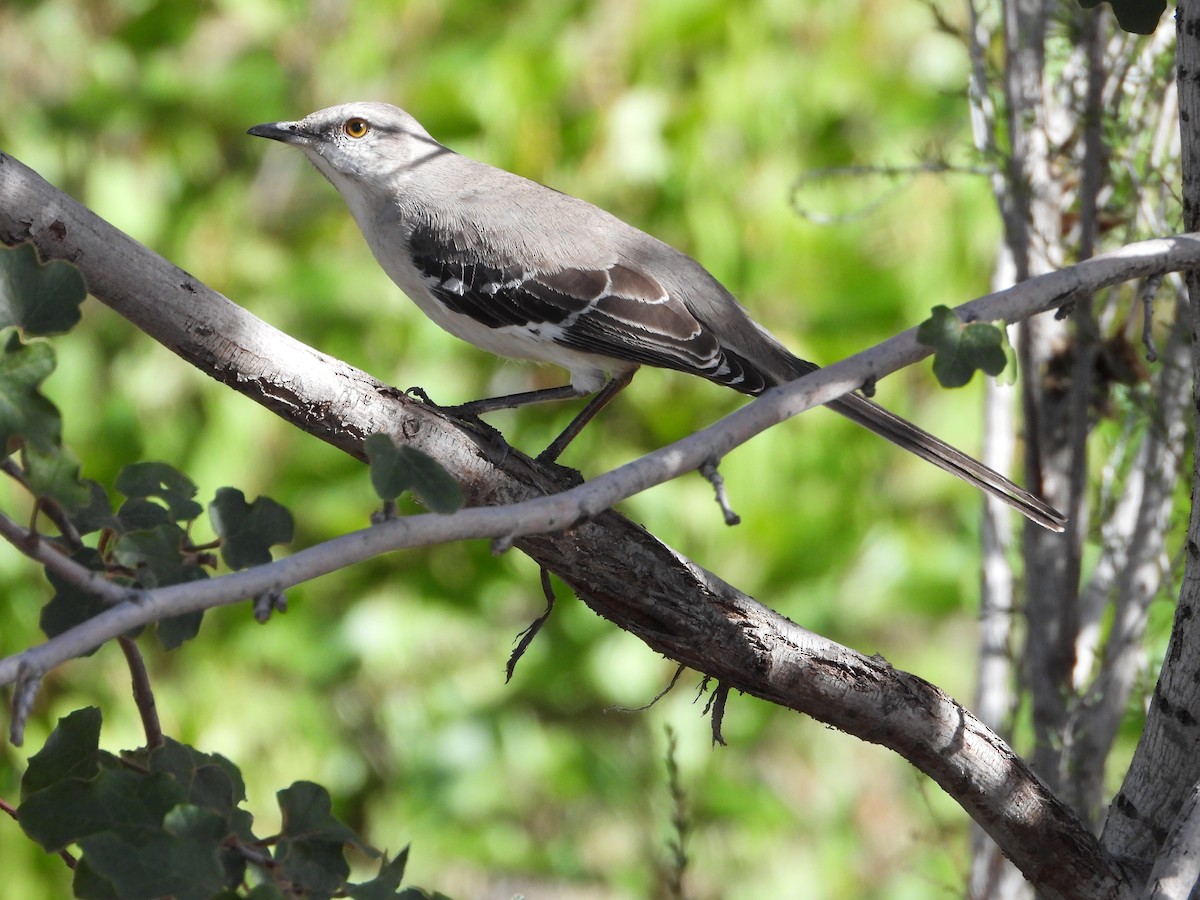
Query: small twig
55, 560
143, 693
709, 471
268, 602
903, 175
252, 856
716, 708
1149, 291
25, 689
525, 638
679, 670
46, 506
679, 820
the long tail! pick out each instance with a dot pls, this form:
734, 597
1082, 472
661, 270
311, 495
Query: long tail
915, 440
775, 364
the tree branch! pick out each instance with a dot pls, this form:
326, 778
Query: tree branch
620, 571
1168, 754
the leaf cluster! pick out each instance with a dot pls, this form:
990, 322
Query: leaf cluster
145, 540
167, 821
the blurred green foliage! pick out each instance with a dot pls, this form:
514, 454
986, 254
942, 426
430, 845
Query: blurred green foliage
689, 118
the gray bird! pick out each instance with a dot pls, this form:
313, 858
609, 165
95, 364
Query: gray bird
526, 272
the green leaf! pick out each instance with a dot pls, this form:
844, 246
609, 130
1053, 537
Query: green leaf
39, 299
97, 513
155, 555
308, 815
54, 473
88, 885
386, 884
128, 803
70, 605
157, 479
71, 751
1134, 16
24, 410
183, 861
208, 780
248, 531
395, 470
157, 558
180, 629
960, 349
310, 850
140, 514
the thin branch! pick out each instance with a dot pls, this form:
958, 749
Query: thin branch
71, 572
143, 694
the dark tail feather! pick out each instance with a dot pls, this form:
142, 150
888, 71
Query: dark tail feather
904, 434
774, 364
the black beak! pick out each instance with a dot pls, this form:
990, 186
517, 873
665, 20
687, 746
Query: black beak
288, 132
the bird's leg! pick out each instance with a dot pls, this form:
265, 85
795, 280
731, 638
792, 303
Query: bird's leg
597, 403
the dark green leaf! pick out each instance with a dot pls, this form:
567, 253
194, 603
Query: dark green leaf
156, 555
310, 849
183, 861
54, 472
308, 815
385, 885
39, 299
157, 479
71, 751
248, 531
960, 349
116, 800
88, 885
71, 606
395, 470
208, 780
180, 629
24, 411
97, 513
140, 514
1134, 16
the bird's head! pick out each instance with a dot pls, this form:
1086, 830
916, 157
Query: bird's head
359, 147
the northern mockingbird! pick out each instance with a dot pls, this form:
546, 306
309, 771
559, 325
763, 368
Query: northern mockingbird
530, 273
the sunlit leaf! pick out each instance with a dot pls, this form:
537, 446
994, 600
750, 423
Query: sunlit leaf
960, 348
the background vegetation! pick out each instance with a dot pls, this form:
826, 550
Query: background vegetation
692, 119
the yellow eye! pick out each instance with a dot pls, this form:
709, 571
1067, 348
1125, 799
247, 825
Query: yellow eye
356, 127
